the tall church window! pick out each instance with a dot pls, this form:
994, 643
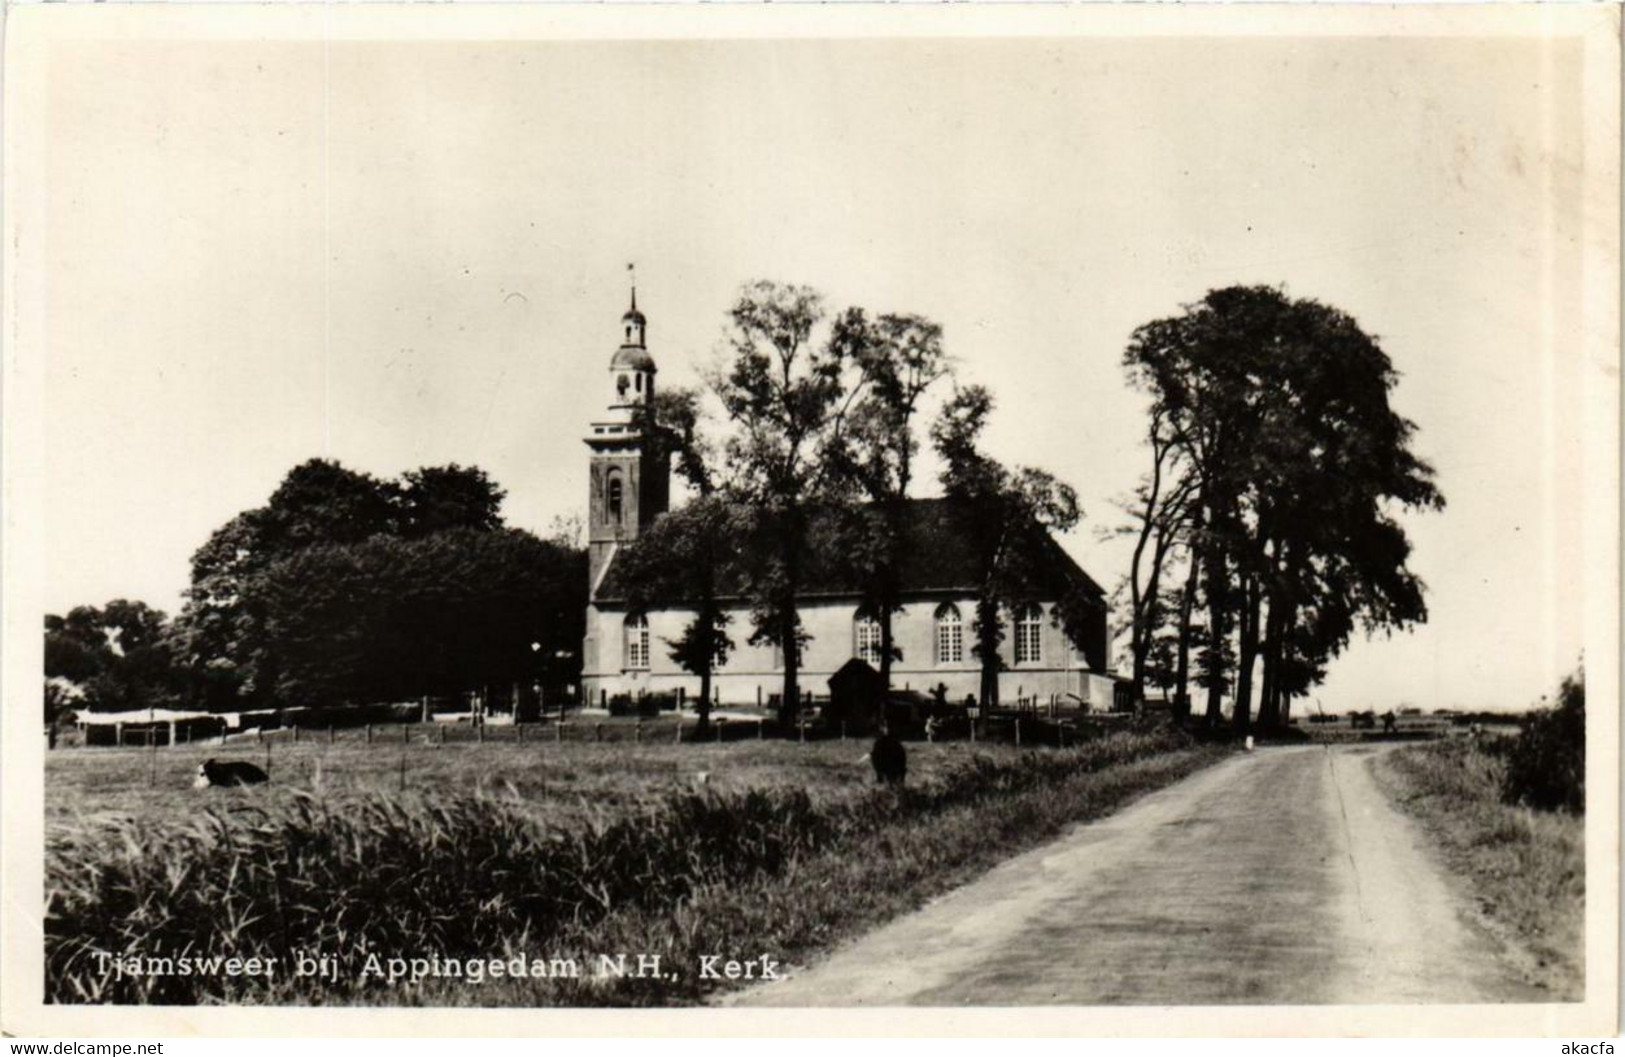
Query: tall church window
615, 498
636, 634
866, 639
1029, 623
950, 635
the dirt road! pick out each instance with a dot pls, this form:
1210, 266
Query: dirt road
1283, 876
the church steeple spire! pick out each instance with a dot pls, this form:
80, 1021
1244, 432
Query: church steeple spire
633, 324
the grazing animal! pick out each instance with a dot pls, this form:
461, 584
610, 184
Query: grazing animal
889, 758
231, 773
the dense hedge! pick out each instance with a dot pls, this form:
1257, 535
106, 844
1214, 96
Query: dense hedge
1546, 762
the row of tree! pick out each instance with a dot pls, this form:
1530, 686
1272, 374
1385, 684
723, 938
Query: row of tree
1265, 532
342, 588
812, 451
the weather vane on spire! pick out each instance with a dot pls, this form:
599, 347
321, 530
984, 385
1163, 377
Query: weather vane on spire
632, 276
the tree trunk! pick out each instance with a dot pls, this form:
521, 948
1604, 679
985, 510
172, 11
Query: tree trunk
1241, 713
790, 624
1146, 618
1215, 638
790, 647
1269, 711
987, 633
886, 644
1187, 603
704, 707
709, 632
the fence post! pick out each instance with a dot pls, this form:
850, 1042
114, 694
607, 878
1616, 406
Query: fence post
1018, 732
597, 732
268, 746
296, 734
369, 733
637, 734
259, 734
519, 728
330, 733
679, 728
480, 736
558, 729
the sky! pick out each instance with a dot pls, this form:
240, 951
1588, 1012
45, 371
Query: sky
411, 253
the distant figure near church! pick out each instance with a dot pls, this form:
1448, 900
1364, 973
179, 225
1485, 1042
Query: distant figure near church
889, 758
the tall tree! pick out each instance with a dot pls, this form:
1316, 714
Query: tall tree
1160, 513
679, 560
388, 618
240, 618
1279, 411
785, 397
1008, 518
900, 357
115, 658
437, 498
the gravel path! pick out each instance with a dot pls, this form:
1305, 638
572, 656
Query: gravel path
1281, 876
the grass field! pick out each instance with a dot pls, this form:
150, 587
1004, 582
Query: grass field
558, 851
554, 780
1524, 868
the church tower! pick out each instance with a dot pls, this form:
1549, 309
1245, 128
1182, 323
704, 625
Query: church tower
630, 481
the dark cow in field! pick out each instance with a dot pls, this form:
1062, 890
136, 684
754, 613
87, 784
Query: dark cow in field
889, 758
230, 773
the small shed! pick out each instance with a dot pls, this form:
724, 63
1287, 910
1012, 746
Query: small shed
856, 694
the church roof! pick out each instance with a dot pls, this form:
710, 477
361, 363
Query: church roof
937, 559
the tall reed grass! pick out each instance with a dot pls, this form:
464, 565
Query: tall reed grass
460, 876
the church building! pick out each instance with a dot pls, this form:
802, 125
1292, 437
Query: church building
626, 651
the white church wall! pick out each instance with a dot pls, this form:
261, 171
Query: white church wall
750, 676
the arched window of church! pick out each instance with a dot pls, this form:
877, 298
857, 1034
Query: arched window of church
1029, 624
614, 502
637, 382
950, 635
636, 634
866, 638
